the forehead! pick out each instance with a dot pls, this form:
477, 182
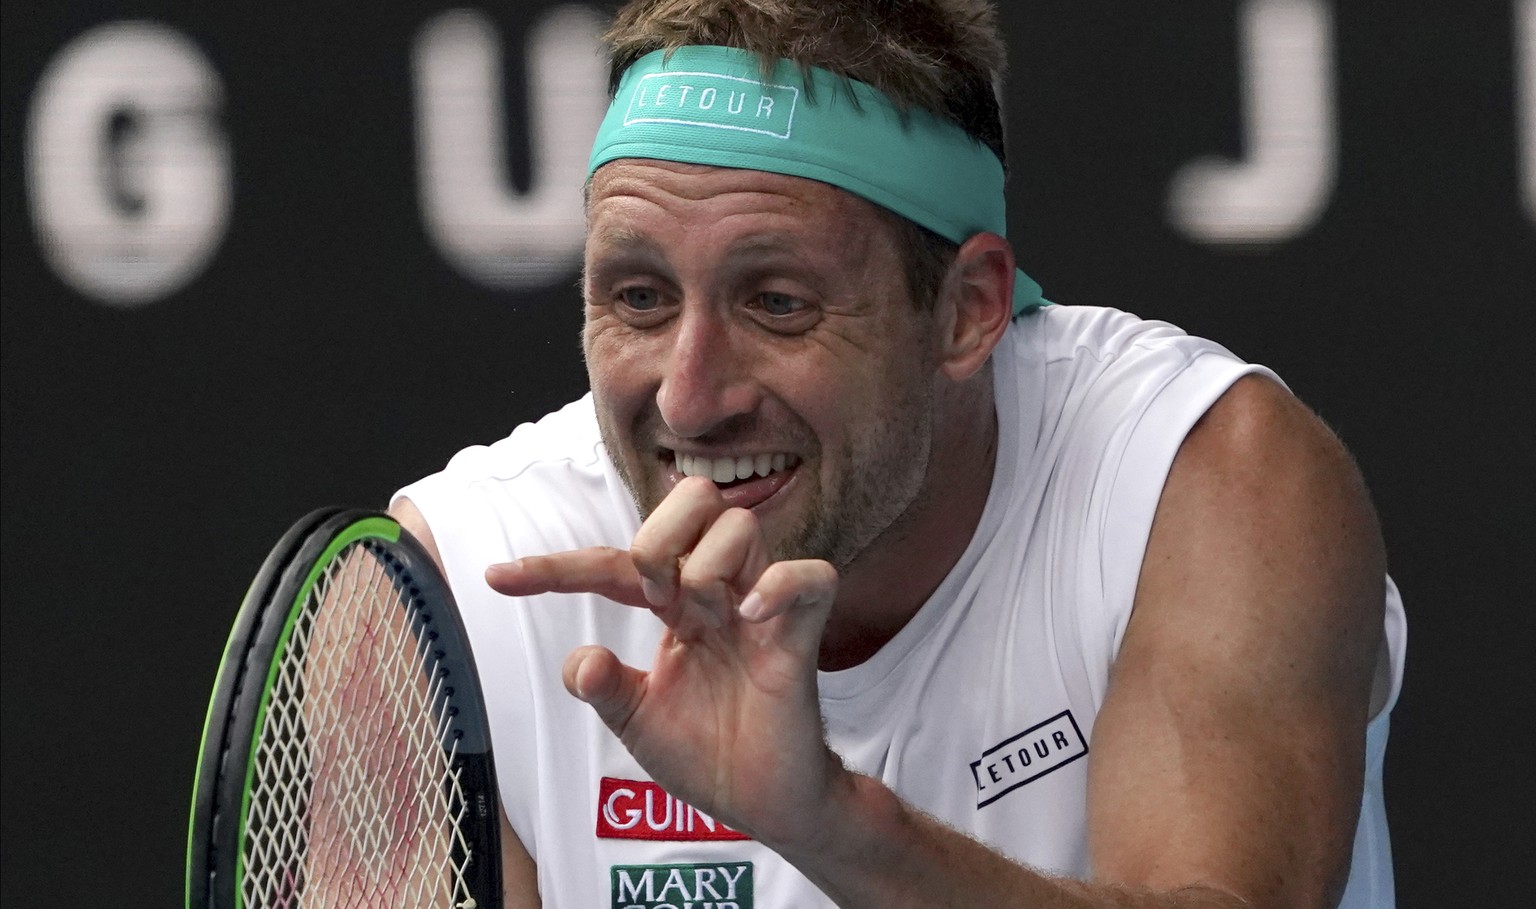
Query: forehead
630, 199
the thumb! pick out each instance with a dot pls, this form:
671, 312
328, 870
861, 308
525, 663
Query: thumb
596, 676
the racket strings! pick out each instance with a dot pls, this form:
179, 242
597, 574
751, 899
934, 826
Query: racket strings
357, 799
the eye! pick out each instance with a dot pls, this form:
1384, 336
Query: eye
777, 304
640, 299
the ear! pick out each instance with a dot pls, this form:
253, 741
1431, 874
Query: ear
975, 304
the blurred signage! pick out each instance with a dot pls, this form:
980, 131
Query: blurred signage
129, 174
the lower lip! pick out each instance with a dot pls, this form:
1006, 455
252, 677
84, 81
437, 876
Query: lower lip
747, 493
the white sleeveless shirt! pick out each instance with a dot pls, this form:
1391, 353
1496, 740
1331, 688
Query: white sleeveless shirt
980, 711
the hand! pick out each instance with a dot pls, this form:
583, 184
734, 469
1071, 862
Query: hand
727, 719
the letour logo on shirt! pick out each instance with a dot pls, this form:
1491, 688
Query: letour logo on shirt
642, 810
1027, 757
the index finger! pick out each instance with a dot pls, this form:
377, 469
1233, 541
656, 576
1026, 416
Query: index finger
671, 532
602, 570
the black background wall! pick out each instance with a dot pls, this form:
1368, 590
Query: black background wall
338, 342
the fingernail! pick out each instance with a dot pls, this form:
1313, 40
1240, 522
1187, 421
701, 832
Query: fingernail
653, 592
752, 606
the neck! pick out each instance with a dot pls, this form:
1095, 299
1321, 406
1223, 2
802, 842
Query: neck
881, 591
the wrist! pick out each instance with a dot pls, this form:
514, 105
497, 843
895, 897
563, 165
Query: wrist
855, 815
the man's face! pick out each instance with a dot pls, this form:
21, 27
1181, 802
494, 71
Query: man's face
757, 328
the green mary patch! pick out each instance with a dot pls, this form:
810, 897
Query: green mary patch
702, 886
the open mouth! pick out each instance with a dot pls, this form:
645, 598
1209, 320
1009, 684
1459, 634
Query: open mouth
729, 472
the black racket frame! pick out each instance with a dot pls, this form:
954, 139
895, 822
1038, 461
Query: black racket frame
230, 733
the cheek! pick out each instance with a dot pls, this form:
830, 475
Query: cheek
618, 370
604, 352
877, 403
870, 388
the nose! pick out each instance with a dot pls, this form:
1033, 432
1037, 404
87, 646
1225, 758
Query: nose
708, 379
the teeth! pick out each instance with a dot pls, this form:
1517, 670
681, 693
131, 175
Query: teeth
725, 470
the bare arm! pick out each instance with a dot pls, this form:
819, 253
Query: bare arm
520, 878
1231, 745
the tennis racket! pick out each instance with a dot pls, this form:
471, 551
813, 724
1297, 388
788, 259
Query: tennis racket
346, 759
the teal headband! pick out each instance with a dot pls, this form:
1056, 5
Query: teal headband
712, 105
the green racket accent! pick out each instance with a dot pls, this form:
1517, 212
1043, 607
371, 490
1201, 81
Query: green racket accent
218, 701
372, 527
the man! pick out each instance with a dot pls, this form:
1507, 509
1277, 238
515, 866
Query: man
936, 595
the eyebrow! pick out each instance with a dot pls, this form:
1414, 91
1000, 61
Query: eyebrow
760, 244
623, 238
622, 248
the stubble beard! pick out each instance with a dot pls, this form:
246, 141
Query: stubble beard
646, 500
876, 482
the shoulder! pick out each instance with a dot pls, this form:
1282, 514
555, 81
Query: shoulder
1265, 512
1261, 446
1105, 399
566, 437
1108, 334
1095, 371
547, 486
560, 454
